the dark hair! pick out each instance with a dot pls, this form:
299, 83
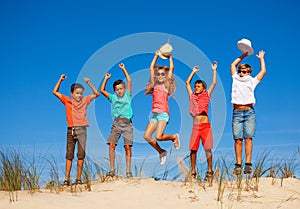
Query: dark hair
201, 82
76, 86
118, 82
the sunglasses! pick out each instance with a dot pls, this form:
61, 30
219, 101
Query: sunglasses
243, 71
160, 74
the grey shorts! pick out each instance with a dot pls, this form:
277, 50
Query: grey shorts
118, 129
76, 135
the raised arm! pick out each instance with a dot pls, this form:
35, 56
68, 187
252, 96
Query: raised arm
56, 87
171, 68
152, 66
236, 62
263, 69
128, 78
214, 78
95, 91
188, 81
102, 89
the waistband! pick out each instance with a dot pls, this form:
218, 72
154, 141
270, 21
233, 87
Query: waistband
77, 127
123, 120
242, 107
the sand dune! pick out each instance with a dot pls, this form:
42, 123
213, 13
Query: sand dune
151, 194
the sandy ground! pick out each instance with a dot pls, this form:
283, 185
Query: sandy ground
148, 193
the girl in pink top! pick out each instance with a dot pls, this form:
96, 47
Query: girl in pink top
161, 85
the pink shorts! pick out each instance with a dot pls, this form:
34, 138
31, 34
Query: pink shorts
201, 131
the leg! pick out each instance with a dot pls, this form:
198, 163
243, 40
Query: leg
148, 136
160, 136
79, 168
71, 142
193, 158
238, 146
209, 160
248, 149
128, 157
112, 156
81, 146
68, 169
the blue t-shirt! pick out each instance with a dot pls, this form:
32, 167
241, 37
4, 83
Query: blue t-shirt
121, 106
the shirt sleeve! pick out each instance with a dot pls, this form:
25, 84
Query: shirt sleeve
64, 99
112, 97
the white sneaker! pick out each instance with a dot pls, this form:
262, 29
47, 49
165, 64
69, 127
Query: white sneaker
163, 157
177, 142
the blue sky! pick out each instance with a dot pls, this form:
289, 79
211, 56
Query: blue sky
40, 40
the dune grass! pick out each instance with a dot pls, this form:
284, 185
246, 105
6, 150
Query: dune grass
22, 172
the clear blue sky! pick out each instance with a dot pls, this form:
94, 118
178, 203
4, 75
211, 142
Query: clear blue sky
40, 40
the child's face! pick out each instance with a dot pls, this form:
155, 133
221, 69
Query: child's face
161, 75
77, 94
120, 90
198, 88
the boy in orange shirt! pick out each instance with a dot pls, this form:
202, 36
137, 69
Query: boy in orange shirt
77, 123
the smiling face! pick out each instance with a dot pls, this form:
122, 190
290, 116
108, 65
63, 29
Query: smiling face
77, 94
120, 90
198, 88
161, 75
244, 70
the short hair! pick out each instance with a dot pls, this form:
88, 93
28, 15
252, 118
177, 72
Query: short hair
76, 86
118, 82
201, 82
245, 66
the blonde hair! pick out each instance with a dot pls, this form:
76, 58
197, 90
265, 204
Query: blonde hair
245, 66
170, 83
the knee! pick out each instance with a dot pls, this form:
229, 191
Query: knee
159, 137
248, 140
238, 141
127, 147
112, 146
147, 137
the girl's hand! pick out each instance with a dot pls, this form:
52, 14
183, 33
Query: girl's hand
122, 66
107, 76
196, 69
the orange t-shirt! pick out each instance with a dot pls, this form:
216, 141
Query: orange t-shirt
76, 111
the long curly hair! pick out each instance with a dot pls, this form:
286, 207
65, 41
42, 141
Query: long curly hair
170, 83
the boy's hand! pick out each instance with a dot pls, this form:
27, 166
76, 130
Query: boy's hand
260, 54
122, 66
87, 80
107, 76
214, 66
157, 52
196, 69
63, 77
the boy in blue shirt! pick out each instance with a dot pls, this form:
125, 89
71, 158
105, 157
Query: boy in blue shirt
122, 114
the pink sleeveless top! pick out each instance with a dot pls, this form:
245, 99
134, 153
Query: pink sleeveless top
160, 99
199, 103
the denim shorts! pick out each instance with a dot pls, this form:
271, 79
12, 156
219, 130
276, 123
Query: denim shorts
160, 116
243, 123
